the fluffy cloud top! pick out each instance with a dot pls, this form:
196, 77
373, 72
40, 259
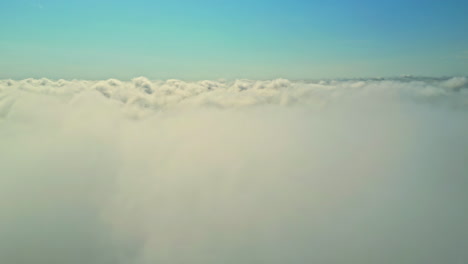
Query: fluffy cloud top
141, 171
156, 95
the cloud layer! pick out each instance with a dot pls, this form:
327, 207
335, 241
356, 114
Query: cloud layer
156, 95
245, 171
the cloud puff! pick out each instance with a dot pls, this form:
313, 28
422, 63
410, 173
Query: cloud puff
457, 83
244, 171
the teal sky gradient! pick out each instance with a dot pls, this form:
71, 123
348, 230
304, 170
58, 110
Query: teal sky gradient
188, 39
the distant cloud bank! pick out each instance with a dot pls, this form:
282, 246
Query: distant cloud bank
157, 95
244, 171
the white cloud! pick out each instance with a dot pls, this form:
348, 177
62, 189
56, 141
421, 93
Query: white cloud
457, 83
245, 171
239, 93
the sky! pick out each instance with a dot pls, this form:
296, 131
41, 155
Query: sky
195, 40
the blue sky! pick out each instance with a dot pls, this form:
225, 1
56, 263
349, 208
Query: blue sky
210, 39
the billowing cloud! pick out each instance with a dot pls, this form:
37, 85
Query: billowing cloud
244, 171
143, 93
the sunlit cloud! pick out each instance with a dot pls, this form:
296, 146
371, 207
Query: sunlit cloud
244, 171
